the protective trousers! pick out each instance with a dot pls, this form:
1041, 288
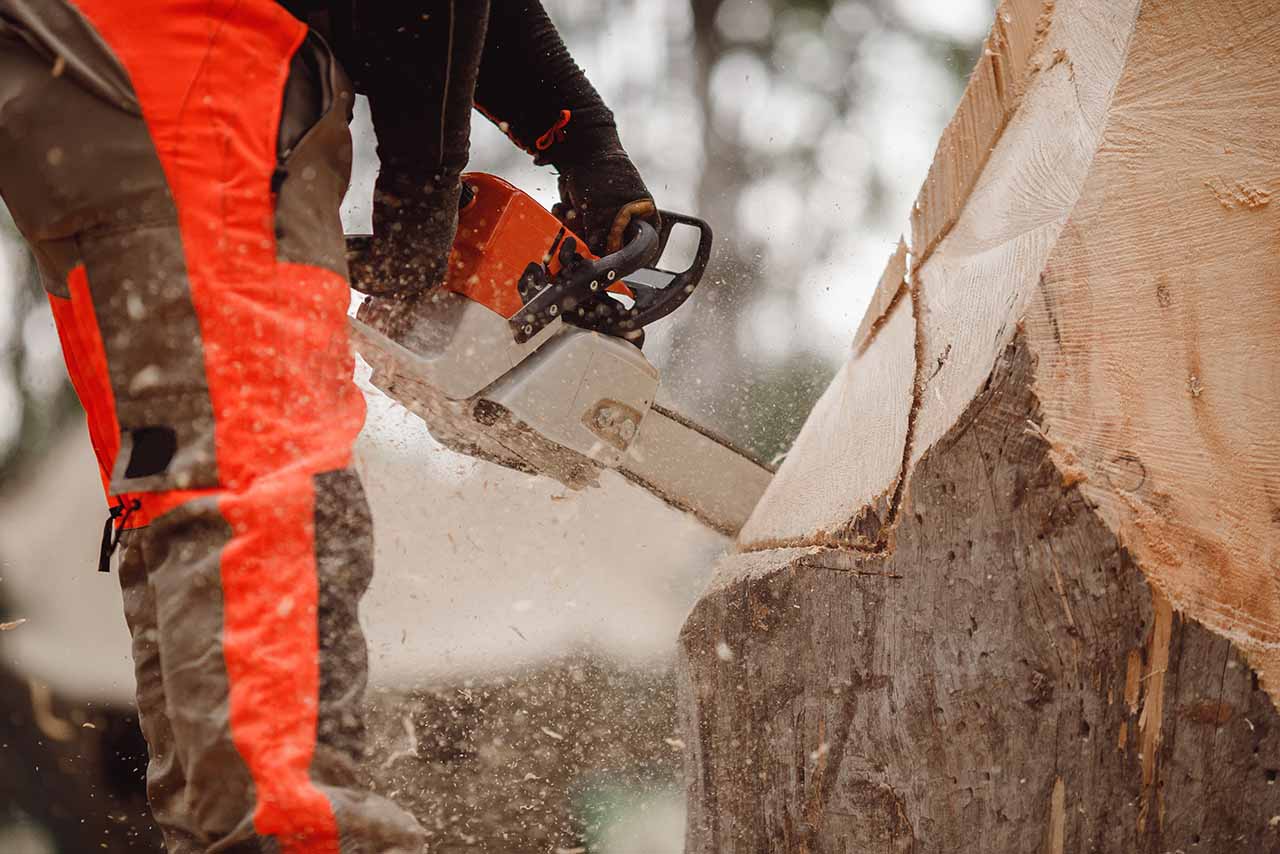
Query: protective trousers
177, 167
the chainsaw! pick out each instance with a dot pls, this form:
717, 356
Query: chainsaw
530, 357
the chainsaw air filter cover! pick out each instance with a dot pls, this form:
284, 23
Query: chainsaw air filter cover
501, 230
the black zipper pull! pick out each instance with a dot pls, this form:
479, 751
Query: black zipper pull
111, 533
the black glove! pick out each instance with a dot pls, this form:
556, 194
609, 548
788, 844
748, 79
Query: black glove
600, 198
414, 228
530, 86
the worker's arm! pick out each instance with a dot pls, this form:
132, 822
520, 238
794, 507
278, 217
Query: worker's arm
417, 63
530, 86
422, 64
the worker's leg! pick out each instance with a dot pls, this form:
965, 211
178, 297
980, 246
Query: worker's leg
165, 780
178, 173
251, 667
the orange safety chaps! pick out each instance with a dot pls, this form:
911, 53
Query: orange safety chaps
177, 167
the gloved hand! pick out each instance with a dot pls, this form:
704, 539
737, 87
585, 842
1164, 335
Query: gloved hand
413, 232
600, 197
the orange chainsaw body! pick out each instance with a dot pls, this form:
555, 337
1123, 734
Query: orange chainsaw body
500, 231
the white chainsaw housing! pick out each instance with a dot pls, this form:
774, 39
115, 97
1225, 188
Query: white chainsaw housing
582, 390
460, 347
565, 404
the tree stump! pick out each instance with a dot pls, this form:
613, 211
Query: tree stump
1017, 586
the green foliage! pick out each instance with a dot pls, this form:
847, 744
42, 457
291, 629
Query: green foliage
773, 407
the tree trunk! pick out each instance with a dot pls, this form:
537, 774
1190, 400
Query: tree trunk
1017, 586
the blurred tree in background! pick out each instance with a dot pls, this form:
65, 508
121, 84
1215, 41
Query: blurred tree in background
792, 172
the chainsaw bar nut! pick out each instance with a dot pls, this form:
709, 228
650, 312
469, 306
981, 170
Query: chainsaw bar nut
614, 422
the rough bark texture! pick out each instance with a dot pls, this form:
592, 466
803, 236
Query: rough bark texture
1105, 186
1002, 678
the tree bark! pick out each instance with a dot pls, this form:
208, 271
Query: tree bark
1015, 587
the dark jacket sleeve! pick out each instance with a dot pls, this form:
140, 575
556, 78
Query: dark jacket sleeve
530, 86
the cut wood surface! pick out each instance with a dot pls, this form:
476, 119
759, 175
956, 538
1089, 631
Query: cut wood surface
1161, 375
1022, 565
836, 486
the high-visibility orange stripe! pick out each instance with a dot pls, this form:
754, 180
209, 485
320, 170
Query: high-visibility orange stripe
269, 641
86, 358
210, 75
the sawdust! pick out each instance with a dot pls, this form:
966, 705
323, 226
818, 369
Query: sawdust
1072, 475
1044, 21
1070, 469
1195, 386
45, 715
818, 539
